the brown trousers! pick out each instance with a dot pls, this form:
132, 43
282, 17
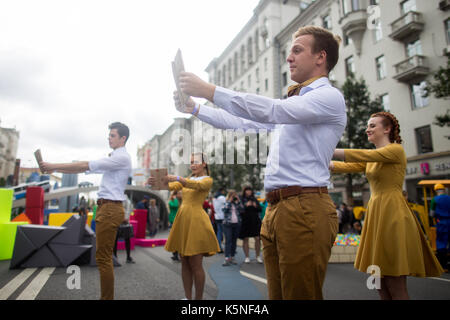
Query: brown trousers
298, 234
108, 218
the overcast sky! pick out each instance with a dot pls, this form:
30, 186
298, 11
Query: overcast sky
70, 68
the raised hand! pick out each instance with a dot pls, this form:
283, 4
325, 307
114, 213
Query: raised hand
185, 108
192, 85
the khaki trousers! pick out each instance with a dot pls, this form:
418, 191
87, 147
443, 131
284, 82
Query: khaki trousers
298, 234
109, 217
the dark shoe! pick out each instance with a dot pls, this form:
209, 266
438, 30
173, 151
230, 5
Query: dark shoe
174, 258
130, 260
226, 263
221, 251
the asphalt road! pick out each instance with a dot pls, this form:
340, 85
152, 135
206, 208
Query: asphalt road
156, 277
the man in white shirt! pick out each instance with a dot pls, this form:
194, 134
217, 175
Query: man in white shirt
219, 204
110, 213
300, 225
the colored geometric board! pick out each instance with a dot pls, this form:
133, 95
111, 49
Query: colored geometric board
21, 217
29, 238
23, 248
6, 200
73, 233
66, 254
7, 238
44, 257
150, 242
40, 235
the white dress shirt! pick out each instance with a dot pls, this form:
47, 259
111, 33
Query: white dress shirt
116, 169
219, 204
306, 129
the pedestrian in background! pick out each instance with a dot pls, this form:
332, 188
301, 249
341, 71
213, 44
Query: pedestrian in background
344, 218
174, 204
251, 223
232, 211
125, 231
154, 218
440, 209
219, 204
173, 207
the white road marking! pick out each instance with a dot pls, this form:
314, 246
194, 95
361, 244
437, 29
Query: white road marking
15, 283
442, 279
33, 289
253, 277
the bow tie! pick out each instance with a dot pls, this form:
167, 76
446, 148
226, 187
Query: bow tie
294, 90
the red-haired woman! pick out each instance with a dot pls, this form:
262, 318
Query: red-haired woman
391, 239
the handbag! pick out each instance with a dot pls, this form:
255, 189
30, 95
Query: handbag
125, 231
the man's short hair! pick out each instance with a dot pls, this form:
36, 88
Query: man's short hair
121, 128
323, 40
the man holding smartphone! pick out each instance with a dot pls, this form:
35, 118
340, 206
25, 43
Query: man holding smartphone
110, 213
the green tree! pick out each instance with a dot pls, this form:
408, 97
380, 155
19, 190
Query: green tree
359, 108
236, 176
440, 87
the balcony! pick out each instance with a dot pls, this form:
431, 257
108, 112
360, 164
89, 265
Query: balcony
354, 25
409, 24
412, 69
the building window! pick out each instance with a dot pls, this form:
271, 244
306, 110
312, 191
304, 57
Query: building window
242, 59
413, 48
257, 90
417, 92
345, 7
257, 75
242, 86
349, 66
326, 22
283, 56
257, 43
355, 5
250, 51
265, 64
266, 85
374, 2
249, 80
236, 65
230, 73
381, 67
408, 5
347, 40
424, 141
284, 79
385, 102
224, 76
378, 32
447, 30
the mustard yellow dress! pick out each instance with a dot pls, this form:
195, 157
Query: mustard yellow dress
391, 238
192, 232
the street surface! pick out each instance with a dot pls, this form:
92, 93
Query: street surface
156, 277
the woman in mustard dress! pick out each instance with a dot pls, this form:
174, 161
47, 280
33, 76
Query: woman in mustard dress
391, 238
192, 234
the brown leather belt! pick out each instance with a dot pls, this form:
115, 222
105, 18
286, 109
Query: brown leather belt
103, 201
279, 194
